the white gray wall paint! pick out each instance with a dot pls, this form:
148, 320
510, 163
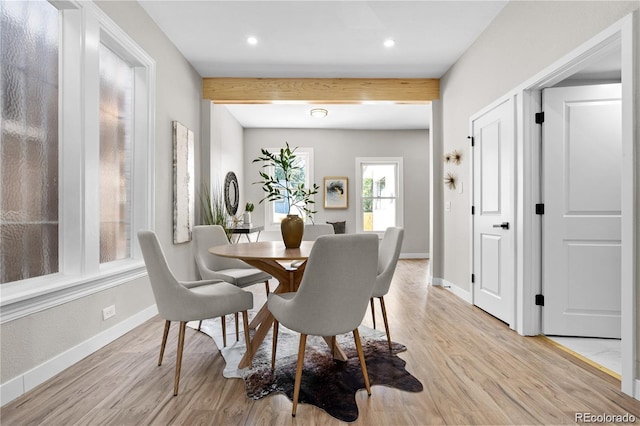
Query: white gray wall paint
437, 193
335, 152
523, 39
227, 140
36, 339
222, 149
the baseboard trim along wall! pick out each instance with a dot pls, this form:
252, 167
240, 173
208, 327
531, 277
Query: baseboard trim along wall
414, 255
38, 375
463, 294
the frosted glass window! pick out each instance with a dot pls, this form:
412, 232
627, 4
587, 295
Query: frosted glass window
29, 146
115, 156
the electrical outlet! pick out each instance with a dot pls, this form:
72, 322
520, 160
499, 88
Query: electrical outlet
108, 312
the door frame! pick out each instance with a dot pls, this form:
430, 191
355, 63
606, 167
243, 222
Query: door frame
529, 230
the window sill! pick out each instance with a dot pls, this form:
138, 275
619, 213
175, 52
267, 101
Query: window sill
17, 302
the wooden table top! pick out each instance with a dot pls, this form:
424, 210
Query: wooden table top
274, 250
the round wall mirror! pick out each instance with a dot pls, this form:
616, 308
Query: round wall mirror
231, 193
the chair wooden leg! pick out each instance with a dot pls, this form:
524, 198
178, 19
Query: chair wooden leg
333, 346
167, 323
365, 374
266, 286
299, 365
237, 328
274, 344
386, 322
199, 325
373, 312
247, 338
183, 327
223, 320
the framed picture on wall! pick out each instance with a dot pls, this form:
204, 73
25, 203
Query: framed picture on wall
336, 192
183, 183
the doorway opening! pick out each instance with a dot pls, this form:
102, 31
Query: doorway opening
613, 46
581, 226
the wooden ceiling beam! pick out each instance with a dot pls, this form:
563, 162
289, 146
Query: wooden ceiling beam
320, 90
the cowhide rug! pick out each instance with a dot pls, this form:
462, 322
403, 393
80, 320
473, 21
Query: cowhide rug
326, 383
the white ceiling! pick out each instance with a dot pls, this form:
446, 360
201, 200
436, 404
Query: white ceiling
325, 38
372, 117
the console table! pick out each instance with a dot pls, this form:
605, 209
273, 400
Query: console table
246, 229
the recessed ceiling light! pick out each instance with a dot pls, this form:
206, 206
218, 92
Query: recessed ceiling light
319, 112
252, 41
389, 43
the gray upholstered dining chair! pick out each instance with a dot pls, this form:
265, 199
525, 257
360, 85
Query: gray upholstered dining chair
388, 255
332, 297
188, 301
314, 230
311, 233
233, 271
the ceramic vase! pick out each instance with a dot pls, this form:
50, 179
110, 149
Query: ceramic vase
292, 228
246, 218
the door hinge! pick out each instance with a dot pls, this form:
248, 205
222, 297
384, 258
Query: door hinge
473, 278
539, 300
540, 208
473, 210
473, 141
539, 117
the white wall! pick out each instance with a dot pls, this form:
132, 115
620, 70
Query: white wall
39, 345
222, 149
227, 141
525, 37
335, 152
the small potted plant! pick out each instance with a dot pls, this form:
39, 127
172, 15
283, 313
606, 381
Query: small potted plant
246, 216
282, 185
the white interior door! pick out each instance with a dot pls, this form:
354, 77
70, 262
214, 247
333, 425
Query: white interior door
581, 225
493, 227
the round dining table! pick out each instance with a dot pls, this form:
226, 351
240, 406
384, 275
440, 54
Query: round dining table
275, 259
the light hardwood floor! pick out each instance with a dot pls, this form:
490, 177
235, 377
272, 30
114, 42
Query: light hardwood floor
473, 368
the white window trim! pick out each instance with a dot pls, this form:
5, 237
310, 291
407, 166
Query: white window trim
400, 199
80, 271
270, 223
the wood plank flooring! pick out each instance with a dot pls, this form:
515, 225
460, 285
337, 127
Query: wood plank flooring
473, 368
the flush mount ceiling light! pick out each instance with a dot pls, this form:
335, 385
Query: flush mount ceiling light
389, 43
252, 41
319, 112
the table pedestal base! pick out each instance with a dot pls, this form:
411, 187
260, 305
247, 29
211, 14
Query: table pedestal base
288, 281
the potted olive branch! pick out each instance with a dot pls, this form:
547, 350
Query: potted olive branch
282, 185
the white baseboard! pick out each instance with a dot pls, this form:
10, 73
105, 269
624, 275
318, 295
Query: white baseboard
636, 392
414, 255
463, 294
438, 282
16, 387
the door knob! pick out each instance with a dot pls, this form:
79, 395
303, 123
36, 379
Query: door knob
503, 225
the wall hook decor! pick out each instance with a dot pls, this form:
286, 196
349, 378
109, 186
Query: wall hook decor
446, 158
450, 181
